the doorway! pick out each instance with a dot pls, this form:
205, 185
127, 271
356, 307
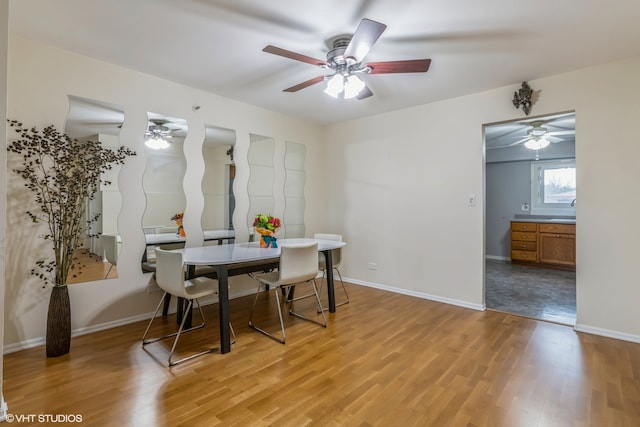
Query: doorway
517, 188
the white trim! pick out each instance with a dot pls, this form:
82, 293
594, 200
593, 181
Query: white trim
607, 333
450, 301
35, 342
498, 258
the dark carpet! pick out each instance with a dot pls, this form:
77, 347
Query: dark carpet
529, 291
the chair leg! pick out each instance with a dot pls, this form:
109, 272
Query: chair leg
324, 319
346, 301
108, 271
251, 325
146, 341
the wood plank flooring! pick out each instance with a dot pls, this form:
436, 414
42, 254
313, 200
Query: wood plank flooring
384, 360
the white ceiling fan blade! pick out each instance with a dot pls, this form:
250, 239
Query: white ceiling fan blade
510, 145
563, 132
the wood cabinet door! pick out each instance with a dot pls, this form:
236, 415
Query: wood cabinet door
557, 249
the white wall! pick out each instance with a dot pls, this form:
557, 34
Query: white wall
40, 79
402, 180
4, 25
397, 190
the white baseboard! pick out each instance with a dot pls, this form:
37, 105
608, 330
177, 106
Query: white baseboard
35, 342
607, 333
497, 257
459, 303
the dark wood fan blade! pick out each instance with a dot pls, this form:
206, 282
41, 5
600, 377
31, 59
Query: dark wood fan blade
364, 93
410, 66
366, 35
293, 55
304, 84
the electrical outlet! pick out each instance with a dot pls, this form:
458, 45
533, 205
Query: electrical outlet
372, 266
525, 207
471, 200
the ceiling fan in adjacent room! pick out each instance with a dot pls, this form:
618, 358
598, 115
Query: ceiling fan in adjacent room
538, 136
345, 62
533, 134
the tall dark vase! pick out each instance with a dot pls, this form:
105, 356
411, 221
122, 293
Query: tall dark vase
59, 322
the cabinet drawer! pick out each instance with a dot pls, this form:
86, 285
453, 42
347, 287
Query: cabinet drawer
518, 245
524, 235
558, 228
523, 226
524, 256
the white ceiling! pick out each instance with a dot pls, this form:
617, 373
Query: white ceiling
216, 45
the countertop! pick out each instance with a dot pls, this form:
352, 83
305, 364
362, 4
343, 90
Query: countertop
546, 220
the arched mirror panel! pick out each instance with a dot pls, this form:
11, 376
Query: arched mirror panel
217, 184
295, 179
93, 120
163, 185
261, 176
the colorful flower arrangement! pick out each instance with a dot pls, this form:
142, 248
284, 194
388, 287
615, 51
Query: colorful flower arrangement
267, 226
177, 218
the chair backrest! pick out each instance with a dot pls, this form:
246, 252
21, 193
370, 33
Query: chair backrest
298, 263
110, 246
336, 254
170, 272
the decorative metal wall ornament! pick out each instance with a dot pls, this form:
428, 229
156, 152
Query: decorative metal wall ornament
522, 98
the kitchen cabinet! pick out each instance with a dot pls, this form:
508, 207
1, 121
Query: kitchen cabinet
524, 241
545, 244
557, 244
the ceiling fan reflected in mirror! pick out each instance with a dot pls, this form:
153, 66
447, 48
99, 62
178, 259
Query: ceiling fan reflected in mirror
158, 135
345, 63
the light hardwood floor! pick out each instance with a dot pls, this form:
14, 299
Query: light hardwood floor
384, 360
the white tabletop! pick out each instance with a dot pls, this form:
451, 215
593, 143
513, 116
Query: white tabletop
243, 252
160, 238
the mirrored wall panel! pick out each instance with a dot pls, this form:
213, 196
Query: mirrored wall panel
163, 184
295, 179
217, 183
93, 120
261, 176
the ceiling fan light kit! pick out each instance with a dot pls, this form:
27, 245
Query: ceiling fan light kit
345, 60
157, 135
536, 143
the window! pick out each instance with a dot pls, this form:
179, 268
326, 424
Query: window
553, 187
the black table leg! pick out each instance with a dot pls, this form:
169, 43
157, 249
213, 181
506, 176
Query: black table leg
223, 308
330, 292
191, 272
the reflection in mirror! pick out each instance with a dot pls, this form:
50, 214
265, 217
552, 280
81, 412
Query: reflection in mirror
295, 179
217, 183
261, 176
162, 183
92, 120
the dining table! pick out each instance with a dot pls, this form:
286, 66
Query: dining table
242, 258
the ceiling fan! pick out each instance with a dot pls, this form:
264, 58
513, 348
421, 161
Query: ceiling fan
538, 136
158, 135
345, 62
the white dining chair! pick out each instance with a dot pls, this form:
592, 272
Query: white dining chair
170, 273
110, 247
298, 266
336, 260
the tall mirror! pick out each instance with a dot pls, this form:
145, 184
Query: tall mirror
261, 176
163, 185
217, 184
295, 179
93, 120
